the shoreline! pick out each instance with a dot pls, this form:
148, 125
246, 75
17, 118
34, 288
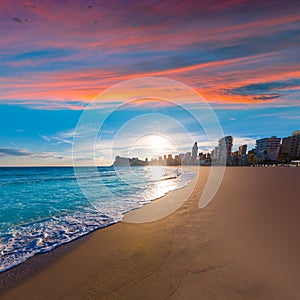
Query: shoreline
228, 249
38, 261
163, 206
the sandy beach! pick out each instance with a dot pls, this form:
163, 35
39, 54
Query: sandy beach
244, 245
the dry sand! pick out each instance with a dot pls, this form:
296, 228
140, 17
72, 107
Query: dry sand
244, 245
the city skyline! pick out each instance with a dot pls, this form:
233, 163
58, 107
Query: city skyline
267, 150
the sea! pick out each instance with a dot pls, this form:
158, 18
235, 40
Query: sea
44, 207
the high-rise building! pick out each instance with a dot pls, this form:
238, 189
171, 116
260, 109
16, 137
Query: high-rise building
251, 157
242, 150
295, 145
290, 147
224, 150
177, 160
214, 154
188, 155
285, 149
267, 149
200, 155
170, 160
195, 151
181, 156
187, 158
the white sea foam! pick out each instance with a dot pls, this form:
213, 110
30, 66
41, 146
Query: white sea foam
22, 240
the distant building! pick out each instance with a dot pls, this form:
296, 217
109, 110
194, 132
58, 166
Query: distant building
243, 160
251, 157
234, 159
187, 159
214, 155
187, 155
242, 150
170, 160
295, 145
290, 147
235, 154
201, 156
181, 156
195, 151
224, 150
267, 149
285, 149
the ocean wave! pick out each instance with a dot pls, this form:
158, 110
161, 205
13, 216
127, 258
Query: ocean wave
22, 241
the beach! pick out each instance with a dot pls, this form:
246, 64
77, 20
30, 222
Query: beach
244, 245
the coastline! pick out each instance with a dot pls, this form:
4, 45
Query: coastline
216, 251
162, 207
37, 262
83, 220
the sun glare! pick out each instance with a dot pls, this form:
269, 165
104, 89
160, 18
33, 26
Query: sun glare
156, 144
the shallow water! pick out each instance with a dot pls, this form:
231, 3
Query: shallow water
44, 207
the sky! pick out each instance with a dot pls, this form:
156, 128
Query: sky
241, 56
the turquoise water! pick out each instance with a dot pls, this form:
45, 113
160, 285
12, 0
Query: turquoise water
44, 207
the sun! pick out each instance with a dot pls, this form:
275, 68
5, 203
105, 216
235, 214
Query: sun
155, 145
158, 142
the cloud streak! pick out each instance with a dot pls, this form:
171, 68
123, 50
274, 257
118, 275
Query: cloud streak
12, 152
55, 57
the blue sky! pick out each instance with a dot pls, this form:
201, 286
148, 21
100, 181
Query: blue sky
44, 137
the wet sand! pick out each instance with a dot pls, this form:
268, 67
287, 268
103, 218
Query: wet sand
244, 245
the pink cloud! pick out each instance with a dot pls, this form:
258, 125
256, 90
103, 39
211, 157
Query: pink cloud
109, 44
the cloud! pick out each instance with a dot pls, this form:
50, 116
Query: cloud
265, 91
238, 141
65, 137
8, 152
13, 152
262, 87
266, 97
20, 20
68, 55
